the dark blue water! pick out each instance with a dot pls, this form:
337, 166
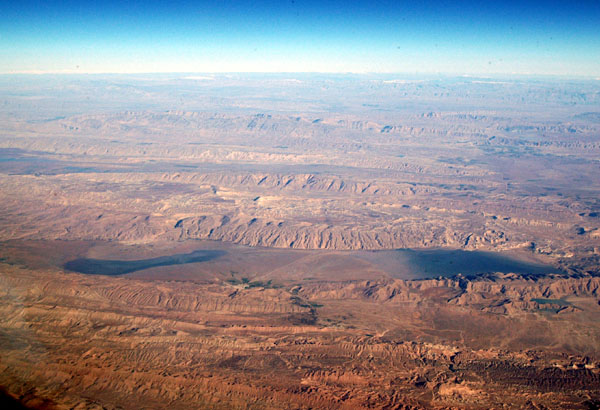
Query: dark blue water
402, 263
448, 263
118, 267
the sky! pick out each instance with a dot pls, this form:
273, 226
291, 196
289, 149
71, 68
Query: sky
432, 36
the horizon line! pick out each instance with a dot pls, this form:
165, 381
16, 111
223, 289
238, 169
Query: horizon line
360, 73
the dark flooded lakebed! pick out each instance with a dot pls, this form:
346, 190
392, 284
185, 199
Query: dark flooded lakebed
119, 267
441, 262
272, 263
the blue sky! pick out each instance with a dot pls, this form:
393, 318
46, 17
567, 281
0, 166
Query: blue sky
459, 37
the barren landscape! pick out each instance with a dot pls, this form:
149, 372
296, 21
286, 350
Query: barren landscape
299, 241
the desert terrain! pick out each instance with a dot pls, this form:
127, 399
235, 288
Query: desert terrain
299, 242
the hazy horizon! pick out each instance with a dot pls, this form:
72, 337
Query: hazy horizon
389, 77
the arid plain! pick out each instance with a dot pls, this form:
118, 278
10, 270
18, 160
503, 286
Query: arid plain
299, 241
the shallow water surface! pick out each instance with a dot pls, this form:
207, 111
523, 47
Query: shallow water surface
286, 264
119, 267
447, 263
